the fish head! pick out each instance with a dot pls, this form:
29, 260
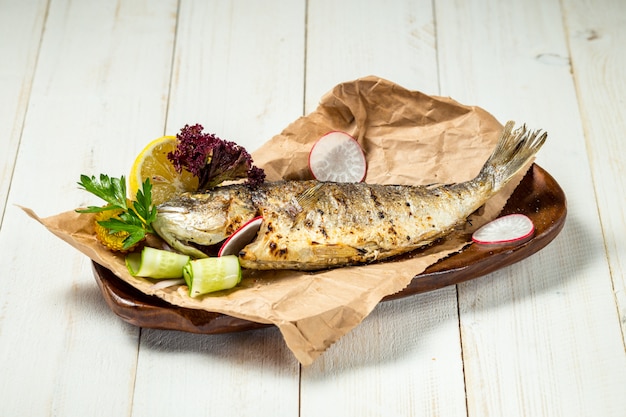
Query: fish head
189, 222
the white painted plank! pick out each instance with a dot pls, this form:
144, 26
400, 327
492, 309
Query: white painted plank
241, 374
542, 337
597, 36
352, 39
98, 90
539, 338
21, 26
405, 358
238, 70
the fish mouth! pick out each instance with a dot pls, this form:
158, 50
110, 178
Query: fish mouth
188, 247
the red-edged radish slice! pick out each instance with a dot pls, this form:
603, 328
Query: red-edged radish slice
337, 157
242, 236
507, 229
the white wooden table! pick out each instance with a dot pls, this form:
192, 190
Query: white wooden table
84, 85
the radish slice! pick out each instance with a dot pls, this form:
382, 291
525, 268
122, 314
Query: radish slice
337, 157
507, 229
166, 283
242, 236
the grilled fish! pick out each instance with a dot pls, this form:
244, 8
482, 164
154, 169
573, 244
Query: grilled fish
310, 225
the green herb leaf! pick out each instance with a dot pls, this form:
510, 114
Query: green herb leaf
143, 205
112, 190
97, 209
135, 220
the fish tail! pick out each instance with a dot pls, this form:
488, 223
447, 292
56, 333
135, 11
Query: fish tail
514, 150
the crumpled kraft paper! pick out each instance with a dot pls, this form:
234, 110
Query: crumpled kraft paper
409, 138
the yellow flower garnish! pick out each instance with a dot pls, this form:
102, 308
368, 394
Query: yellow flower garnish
112, 240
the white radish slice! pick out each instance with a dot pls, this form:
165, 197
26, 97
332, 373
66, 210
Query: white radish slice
507, 229
241, 237
166, 283
337, 157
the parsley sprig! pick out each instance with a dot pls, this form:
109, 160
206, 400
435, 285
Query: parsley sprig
136, 217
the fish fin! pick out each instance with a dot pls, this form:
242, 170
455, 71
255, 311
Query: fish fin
326, 251
304, 201
309, 197
515, 148
435, 185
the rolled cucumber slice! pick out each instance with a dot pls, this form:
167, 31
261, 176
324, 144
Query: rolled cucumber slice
156, 263
207, 275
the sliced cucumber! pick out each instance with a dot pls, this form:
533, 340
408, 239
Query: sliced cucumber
212, 274
156, 263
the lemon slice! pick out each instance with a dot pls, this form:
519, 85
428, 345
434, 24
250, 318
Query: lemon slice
152, 163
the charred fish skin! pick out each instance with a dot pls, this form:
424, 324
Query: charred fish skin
349, 224
310, 225
346, 224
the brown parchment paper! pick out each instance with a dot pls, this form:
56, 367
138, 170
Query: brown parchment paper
409, 138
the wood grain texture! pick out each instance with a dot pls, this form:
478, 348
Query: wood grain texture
238, 68
405, 358
92, 96
23, 21
86, 84
596, 35
525, 328
238, 71
351, 39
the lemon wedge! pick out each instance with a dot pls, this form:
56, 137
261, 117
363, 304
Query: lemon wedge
152, 162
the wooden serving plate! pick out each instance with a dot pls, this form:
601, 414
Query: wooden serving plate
538, 196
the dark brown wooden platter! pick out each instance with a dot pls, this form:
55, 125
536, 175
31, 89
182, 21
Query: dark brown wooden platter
538, 196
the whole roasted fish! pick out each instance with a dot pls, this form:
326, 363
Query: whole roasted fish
309, 225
